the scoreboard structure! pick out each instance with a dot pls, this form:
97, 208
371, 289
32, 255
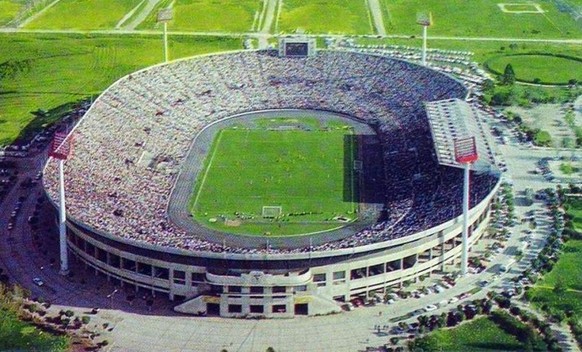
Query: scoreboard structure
296, 47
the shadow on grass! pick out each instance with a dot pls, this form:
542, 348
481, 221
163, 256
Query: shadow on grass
45, 119
363, 170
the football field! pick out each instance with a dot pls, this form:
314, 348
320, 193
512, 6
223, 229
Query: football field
277, 182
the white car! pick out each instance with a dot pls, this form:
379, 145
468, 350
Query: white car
38, 281
430, 308
439, 288
453, 300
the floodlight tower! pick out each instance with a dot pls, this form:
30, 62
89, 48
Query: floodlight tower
466, 154
60, 149
165, 16
425, 20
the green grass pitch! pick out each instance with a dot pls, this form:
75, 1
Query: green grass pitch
304, 172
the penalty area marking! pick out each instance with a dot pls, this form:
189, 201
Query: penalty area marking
506, 7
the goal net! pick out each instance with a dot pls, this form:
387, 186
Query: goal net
272, 211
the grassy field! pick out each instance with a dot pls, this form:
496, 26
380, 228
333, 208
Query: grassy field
568, 269
83, 14
478, 335
477, 18
16, 335
9, 9
209, 15
302, 171
337, 16
548, 69
66, 68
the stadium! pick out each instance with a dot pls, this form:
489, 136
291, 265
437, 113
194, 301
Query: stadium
140, 147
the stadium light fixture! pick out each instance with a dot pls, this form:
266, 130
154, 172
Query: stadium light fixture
466, 154
165, 16
425, 20
60, 149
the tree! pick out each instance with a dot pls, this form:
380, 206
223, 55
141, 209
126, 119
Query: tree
560, 288
508, 77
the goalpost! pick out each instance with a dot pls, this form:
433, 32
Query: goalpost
272, 211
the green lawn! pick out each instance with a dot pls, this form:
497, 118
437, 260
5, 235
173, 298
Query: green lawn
66, 68
9, 9
16, 335
325, 16
83, 14
548, 69
209, 15
478, 335
478, 18
301, 171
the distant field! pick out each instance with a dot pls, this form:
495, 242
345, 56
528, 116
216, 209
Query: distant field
66, 68
303, 172
549, 69
326, 16
209, 15
479, 335
83, 14
9, 9
478, 18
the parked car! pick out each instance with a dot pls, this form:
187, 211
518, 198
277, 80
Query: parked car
430, 308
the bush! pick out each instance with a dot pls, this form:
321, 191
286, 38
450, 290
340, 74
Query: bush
542, 138
514, 310
521, 331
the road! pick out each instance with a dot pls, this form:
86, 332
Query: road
267, 36
376, 11
267, 22
151, 4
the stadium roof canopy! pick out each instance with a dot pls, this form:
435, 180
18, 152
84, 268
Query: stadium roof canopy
455, 119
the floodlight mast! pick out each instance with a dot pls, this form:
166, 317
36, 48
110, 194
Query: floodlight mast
165, 16
59, 150
425, 21
466, 154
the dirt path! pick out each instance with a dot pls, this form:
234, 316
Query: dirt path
268, 19
140, 17
378, 20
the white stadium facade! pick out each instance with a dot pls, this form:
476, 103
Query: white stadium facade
127, 214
